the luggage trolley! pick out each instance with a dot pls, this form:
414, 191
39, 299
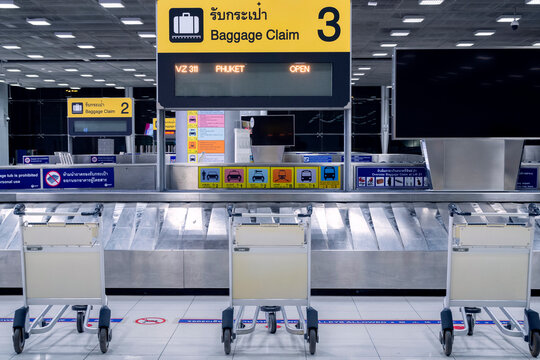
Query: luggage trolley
269, 268
62, 264
489, 265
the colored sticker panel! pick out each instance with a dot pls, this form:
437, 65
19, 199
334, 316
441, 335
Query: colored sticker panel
306, 178
391, 177
192, 119
282, 177
192, 145
209, 134
212, 147
210, 177
192, 134
258, 178
234, 177
192, 158
211, 119
330, 177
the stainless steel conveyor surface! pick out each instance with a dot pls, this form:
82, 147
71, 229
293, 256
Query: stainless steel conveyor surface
376, 226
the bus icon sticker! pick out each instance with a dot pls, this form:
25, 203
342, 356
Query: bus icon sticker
186, 25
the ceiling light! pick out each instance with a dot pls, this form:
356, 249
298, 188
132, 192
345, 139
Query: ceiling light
388, 44
63, 84
129, 69
13, 70
75, 88
71, 70
30, 88
372, 3
364, 68
359, 74
155, 84
2, 81
64, 35
465, 44
103, 56
355, 79
11, 47
532, 2
379, 54
147, 35
8, 4
148, 79
111, 4
536, 44
430, 2
49, 80
38, 22
87, 75
131, 21
85, 46
484, 32
140, 75
400, 33
100, 80
508, 18
412, 19
35, 56
110, 84
119, 87
32, 75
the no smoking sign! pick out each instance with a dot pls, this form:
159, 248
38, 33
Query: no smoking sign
150, 321
53, 178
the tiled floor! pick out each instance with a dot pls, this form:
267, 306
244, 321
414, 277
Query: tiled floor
195, 341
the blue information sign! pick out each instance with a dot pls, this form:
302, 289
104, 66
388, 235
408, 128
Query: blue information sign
32, 160
317, 158
19, 179
359, 158
100, 159
78, 178
527, 178
391, 177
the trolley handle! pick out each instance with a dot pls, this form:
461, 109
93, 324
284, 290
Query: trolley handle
454, 210
308, 213
230, 211
20, 210
98, 211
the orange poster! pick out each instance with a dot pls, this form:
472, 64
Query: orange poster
211, 147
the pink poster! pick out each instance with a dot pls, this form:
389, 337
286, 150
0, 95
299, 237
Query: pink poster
211, 119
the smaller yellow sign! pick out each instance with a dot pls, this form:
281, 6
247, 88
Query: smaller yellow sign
170, 124
192, 146
192, 158
258, 177
192, 119
210, 177
282, 177
306, 177
100, 107
234, 177
330, 177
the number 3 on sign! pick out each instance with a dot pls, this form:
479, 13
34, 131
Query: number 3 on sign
333, 23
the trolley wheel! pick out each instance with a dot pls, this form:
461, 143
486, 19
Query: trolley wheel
18, 340
447, 340
471, 322
227, 339
534, 343
312, 338
80, 321
104, 339
272, 323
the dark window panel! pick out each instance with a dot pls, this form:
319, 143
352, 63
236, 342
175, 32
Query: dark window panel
366, 143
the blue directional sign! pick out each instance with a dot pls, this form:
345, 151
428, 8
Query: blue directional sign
100, 159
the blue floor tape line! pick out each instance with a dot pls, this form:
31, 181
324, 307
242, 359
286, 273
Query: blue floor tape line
62, 320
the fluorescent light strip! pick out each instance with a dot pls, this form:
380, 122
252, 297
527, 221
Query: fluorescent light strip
64, 35
119, 87
430, 2
30, 88
86, 46
129, 69
140, 75
364, 68
71, 70
110, 84
147, 35
32, 75
376, 54
532, 2
400, 32
11, 47
100, 80
388, 45
13, 70
412, 19
49, 80
38, 22
508, 18
8, 4
131, 21
75, 88
35, 56
359, 74
103, 56
111, 4
484, 32
464, 44
87, 75
63, 84
148, 79
536, 44
372, 3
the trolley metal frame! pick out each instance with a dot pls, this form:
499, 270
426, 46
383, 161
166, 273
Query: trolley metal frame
530, 330
233, 326
22, 326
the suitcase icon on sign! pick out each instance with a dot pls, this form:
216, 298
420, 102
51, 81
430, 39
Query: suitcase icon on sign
186, 24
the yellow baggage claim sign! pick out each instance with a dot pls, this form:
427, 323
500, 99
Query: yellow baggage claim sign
254, 53
100, 116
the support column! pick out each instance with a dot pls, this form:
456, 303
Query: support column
385, 119
181, 137
130, 140
347, 150
4, 125
160, 178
